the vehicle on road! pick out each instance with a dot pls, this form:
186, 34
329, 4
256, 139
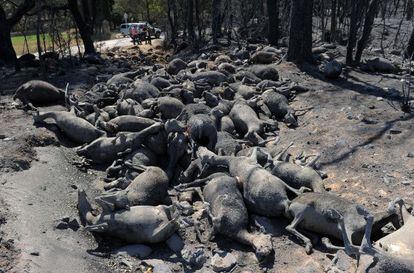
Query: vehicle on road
125, 29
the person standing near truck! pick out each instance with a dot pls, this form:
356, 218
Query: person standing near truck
147, 35
134, 34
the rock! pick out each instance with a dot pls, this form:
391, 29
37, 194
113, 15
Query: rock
66, 223
410, 154
332, 70
175, 243
35, 253
62, 225
342, 263
223, 262
176, 66
74, 225
137, 250
158, 266
406, 182
194, 257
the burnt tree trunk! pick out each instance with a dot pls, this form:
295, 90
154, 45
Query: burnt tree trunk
300, 38
215, 23
356, 13
273, 21
409, 51
7, 52
190, 23
409, 12
85, 29
148, 11
333, 21
369, 21
172, 19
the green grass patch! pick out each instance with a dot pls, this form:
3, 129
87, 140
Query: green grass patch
19, 43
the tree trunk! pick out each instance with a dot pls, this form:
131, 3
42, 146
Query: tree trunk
369, 21
409, 13
215, 23
148, 10
409, 51
273, 21
197, 19
7, 52
300, 38
190, 23
172, 20
333, 21
85, 30
356, 12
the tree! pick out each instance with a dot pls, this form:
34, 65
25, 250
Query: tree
173, 21
357, 9
273, 21
333, 20
366, 32
84, 23
190, 22
215, 23
409, 51
300, 34
7, 52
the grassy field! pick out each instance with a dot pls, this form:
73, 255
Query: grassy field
20, 47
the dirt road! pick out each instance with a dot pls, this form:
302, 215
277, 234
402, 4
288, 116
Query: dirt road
40, 197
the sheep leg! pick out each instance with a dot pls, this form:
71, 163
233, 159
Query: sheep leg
328, 244
120, 183
366, 251
369, 219
165, 227
190, 172
125, 152
292, 229
312, 163
280, 156
253, 137
197, 183
338, 217
261, 243
97, 228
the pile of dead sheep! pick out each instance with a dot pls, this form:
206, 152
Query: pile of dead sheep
206, 131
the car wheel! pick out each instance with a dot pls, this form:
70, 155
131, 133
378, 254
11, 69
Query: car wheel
157, 35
